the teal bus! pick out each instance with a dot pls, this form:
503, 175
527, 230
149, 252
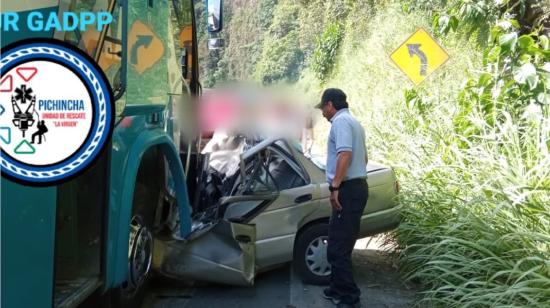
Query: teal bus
93, 234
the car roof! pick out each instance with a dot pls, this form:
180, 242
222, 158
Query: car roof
320, 161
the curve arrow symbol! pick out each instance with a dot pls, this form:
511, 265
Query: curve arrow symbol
142, 40
414, 49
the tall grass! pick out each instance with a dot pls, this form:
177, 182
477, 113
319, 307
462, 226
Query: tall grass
476, 218
476, 228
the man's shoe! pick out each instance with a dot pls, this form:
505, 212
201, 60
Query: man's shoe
331, 296
345, 305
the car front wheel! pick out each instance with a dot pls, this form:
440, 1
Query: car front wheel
310, 255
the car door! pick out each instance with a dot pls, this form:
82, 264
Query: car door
276, 225
222, 253
382, 211
222, 250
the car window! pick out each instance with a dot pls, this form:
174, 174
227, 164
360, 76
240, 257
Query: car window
258, 179
284, 175
283, 149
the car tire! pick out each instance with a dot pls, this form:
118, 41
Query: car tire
309, 259
132, 292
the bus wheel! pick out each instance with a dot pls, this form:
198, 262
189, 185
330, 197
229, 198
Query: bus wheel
140, 250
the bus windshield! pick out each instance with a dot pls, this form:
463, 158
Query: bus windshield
89, 39
105, 48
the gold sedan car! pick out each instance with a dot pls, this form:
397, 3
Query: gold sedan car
265, 208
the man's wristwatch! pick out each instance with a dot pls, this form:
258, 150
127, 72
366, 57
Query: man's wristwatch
332, 188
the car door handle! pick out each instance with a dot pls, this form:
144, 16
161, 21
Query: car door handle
243, 239
303, 198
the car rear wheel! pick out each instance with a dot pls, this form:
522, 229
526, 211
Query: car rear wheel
310, 255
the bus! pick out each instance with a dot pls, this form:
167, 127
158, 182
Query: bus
93, 235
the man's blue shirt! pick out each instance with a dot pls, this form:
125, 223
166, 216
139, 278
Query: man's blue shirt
346, 134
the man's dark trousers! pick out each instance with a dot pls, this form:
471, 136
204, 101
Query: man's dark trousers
342, 233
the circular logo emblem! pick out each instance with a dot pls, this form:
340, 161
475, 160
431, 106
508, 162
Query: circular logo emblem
56, 111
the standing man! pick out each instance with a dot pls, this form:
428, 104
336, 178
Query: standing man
346, 174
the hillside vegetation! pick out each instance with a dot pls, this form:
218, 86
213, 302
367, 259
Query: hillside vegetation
471, 145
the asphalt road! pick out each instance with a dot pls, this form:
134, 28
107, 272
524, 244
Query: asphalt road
380, 285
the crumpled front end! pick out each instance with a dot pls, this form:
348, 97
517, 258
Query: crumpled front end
222, 253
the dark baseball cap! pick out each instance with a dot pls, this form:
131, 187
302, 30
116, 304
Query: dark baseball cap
332, 94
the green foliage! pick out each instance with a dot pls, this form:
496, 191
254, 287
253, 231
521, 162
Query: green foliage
410, 5
210, 67
324, 55
477, 222
254, 31
512, 79
471, 146
414, 101
244, 41
311, 24
265, 13
280, 60
285, 19
474, 14
337, 9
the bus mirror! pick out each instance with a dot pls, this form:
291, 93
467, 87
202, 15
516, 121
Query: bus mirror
215, 43
214, 15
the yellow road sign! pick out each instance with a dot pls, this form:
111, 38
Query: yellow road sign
145, 47
419, 56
